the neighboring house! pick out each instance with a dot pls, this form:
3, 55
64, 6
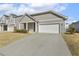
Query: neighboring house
75, 25
43, 22
7, 23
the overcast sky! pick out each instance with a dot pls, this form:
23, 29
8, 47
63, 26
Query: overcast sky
70, 10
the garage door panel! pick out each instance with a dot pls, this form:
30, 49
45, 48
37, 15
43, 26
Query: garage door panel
49, 28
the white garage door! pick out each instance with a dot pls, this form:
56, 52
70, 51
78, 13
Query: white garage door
54, 28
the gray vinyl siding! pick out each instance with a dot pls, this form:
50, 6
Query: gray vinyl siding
44, 17
26, 20
51, 19
62, 27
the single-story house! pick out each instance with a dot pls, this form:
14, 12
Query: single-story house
43, 22
75, 25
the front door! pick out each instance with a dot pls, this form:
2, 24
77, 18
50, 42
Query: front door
31, 27
5, 27
24, 25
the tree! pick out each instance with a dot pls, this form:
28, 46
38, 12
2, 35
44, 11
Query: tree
72, 30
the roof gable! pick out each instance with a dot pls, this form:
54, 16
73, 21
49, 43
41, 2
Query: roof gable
51, 12
28, 17
25, 18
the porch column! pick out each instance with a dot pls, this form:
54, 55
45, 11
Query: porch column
36, 26
26, 26
19, 25
2, 26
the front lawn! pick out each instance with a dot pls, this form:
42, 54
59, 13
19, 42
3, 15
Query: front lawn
72, 42
9, 37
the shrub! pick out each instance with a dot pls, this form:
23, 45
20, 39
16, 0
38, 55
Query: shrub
72, 30
77, 31
20, 31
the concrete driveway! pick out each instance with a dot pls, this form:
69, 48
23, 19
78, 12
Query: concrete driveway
37, 44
